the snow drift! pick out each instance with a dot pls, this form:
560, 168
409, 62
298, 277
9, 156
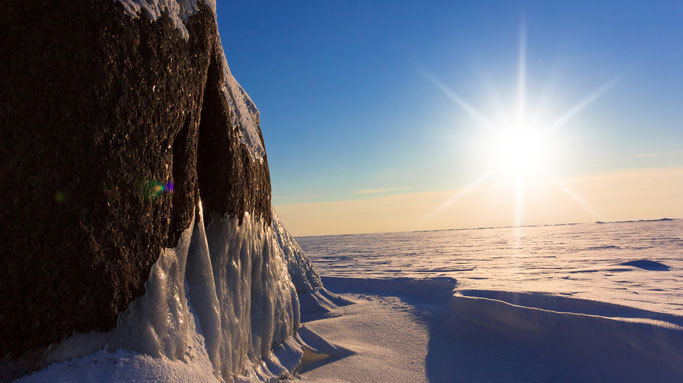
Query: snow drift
600, 341
532, 336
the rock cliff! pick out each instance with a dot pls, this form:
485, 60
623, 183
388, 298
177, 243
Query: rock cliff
134, 188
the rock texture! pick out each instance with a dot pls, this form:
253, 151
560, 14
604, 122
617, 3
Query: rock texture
111, 126
230, 178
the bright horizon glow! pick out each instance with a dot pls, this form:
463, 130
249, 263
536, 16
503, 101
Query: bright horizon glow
614, 196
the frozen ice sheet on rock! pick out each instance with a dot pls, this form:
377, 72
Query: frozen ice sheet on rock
220, 301
156, 339
259, 306
155, 324
301, 270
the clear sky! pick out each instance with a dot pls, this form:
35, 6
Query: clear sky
375, 113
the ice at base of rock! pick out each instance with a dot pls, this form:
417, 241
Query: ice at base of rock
234, 278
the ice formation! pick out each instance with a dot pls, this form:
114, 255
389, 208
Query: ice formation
315, 301
301, 270
179, 11
258, 304
222, 298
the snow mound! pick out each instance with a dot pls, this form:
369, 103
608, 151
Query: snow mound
320, 303
437, 289
179, 11
647, 264
576, 306
221, 304
317, 350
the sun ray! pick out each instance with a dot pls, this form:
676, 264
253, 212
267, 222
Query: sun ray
547, 92
458, 195
521, 74
579, 106
482, 75
475, 114
516, 143
559, 185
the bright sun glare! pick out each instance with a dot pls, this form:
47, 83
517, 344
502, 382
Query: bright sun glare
517, 145
517, 151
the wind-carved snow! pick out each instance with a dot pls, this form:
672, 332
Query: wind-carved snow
417, 330
243, 112
179, 11
214, 309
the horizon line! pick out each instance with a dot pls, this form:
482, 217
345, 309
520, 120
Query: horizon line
598, 222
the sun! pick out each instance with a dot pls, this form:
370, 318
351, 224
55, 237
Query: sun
517, 146
518, 151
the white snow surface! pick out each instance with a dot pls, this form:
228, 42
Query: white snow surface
584, 302
243, 112
400, 331
219, 307
179, 11
587, 261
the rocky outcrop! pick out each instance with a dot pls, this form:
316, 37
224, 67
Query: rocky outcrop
115, 116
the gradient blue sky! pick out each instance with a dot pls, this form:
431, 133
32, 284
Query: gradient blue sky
346, 107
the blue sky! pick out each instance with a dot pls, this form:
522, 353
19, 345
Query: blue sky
345, 104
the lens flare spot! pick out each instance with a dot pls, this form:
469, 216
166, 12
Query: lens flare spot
153, 189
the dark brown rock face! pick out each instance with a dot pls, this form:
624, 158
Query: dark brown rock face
225, 166
100, 113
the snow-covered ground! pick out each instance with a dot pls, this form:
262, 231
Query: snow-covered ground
588, 302
586, 261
